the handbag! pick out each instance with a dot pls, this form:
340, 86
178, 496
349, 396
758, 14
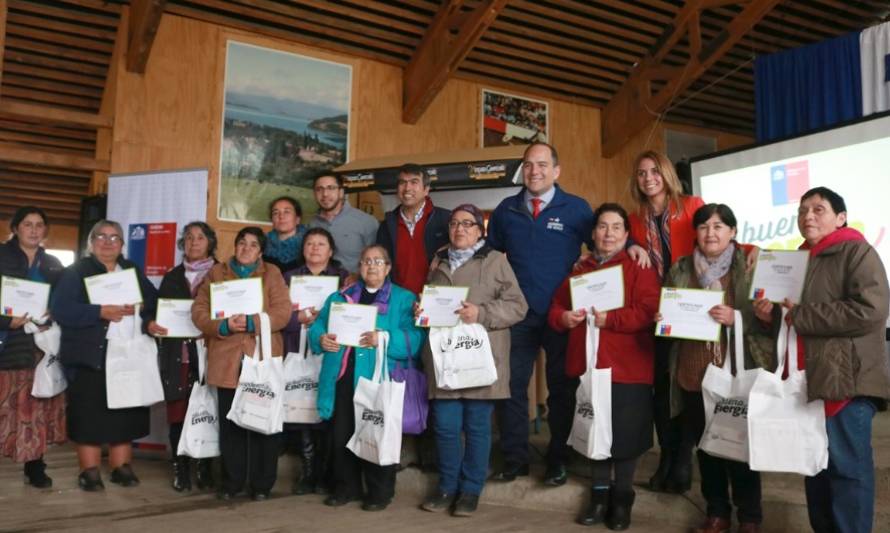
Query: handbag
591, 433
258, 403
301, 371
132, 376
416, 404
49, 376
378, 406
462, 357
786, 432
200, 429
726, 401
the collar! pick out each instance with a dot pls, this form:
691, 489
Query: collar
353, 293
590, 263
419, 214
547, 197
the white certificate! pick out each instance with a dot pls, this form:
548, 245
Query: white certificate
312, 291
685, 315
20, 297
439, 306
120, 287
779, 274
349, 321
600, 289
176, 315
236, 297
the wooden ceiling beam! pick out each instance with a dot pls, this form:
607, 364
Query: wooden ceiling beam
450, 37
635, 105
52, 115
45, 158
145, 18
65, 14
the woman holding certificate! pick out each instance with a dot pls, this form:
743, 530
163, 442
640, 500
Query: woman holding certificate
318, 254
494, 301
625, 346
178, 355
351, 353
89, 317
27, 424
244, 452
717, 264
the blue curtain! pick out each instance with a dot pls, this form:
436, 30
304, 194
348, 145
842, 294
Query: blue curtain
808, 88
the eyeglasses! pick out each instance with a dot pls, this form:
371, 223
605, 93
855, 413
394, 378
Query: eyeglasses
114, 239
377, 261
465, 224
328, 188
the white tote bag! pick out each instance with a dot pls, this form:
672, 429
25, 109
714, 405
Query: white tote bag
726, 401
258, 403
462, 357
132, 376
378, 406
200, 429
301, 370
591, 432
49, 376
786, 433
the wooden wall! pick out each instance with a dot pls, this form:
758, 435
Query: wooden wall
171, 117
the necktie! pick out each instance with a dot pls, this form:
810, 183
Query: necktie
536, 207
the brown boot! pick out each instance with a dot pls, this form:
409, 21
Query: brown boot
713, 524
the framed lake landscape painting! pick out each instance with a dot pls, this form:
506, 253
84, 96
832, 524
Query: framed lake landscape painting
285, 118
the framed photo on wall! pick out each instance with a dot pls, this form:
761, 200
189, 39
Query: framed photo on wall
510, 119
285, 118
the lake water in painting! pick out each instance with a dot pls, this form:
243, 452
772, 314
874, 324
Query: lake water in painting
295, 124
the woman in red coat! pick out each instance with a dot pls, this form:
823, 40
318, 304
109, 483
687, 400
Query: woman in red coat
626, 346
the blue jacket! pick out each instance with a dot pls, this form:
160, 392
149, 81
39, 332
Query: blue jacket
404, 344
541, 251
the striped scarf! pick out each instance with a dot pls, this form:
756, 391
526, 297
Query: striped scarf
653, 238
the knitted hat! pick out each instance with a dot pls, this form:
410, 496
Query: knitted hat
475, 212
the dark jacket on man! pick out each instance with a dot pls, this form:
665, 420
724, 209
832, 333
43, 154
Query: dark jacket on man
435, 233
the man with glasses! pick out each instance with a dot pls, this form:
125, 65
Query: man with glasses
414, 230
351, 228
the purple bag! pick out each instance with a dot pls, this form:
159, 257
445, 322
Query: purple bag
417, 405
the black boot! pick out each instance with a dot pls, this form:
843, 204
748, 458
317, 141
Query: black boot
620, 504
182, 479
595, 512
204, 474
35, 474
305, 484
657, 481
679, 479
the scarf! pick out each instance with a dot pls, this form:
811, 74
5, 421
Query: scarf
709, 273
353, 294
653, 237
200, 267
243, 271
832, 407
287, 250
456, 258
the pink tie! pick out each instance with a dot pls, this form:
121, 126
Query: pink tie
536, 207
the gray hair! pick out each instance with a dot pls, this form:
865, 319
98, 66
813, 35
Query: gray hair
94, 231
383, 251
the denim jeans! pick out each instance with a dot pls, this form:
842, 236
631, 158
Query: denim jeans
841, 498
462, 471
526, 338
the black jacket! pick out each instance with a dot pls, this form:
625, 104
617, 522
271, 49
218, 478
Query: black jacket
435, 233
83, 328
17, 348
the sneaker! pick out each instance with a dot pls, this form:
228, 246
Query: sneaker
124, 476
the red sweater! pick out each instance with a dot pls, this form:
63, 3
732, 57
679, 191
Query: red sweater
413, 266
626, 341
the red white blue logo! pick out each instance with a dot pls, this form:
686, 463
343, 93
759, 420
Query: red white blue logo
789, 181
152, 247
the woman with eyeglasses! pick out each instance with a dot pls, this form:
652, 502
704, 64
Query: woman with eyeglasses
342, 366
494, 301
85, 328
248, 457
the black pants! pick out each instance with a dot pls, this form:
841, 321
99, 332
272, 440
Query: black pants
667, 429
348, 469
717, 474
175, 434
247, 456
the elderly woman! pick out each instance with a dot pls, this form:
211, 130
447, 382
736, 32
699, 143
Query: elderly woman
343, 366
284, 244
717, 263
244, 452
626, 346
495, 302
27, 424
84, 343
178, 358
318, 253
841, 319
